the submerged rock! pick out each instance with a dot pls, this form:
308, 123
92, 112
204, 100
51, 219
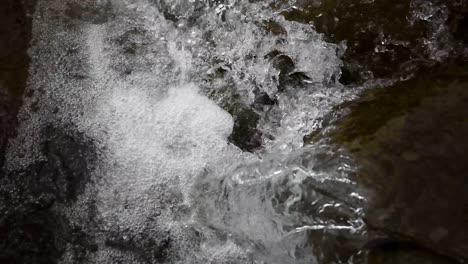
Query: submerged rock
15, 34
90, 11
401, 254
34, 204
245, 134
410, 140
385, 38
138, 207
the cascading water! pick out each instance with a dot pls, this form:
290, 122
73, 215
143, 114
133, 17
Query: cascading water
158, 88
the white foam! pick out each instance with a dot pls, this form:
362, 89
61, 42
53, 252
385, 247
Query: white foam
152, 138
159, 137
156, 140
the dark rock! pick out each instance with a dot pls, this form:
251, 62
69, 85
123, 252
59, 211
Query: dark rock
15, 34
31, 238
245, 134
92, 12
183, 10
262, 98
401, 253
381, 36
70, 162
148, 246
410, 140
35, 230
270, 55
273, 27
283, 63
40, 235
458, 20
66, 170
295, 79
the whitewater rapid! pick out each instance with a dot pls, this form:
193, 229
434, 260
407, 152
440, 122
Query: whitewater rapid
144, 90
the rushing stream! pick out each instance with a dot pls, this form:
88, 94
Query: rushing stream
198, 131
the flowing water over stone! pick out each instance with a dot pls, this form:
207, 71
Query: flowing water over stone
190, 131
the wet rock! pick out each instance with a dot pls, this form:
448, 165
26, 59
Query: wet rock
70, 163
90, 11
262, 99
33, 232
148, 246
272, 54
458, 20
410, 140
245, 134
15, 34
283, 63
377, 106
273, 27
382, 36
150, 241
285, 66
295, 79
36, 230
389, 250
335, 242
30, 238
65, 171
181, 10
400, 253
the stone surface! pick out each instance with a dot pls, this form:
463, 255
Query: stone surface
410, 142
34, 204
33, 225
385, 38
15, 34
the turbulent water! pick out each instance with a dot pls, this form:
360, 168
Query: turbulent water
156, 89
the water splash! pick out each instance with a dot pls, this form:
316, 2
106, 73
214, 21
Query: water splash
137, 85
